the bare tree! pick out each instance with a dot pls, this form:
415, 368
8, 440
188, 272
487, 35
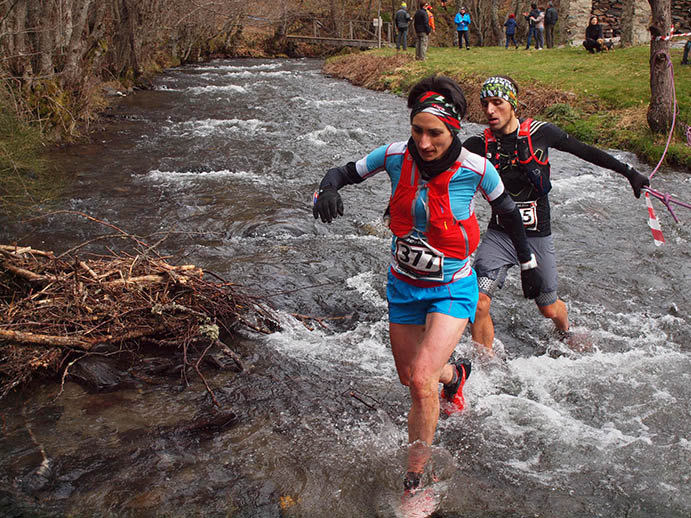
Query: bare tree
76, 44
46, 39
661, 108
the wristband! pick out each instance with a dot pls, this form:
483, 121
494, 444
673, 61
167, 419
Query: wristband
530, 264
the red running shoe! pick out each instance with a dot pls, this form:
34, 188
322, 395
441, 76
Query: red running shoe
452, 393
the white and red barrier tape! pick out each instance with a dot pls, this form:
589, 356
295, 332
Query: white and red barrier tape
671, 35
653, 223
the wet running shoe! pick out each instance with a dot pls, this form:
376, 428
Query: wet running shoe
411, 481
576, 341
452, 392
419, 502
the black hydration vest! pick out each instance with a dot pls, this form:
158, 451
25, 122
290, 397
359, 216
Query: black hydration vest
526, 179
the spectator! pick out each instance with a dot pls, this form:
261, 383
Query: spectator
430, 15
510, 25
540, 30
593, 36
422, 30
530, 18
685, 57
462, 21
551, 17
402, 20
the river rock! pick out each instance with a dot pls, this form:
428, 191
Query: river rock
98, 373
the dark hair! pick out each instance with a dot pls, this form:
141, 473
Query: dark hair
593, 17
533, 6
442, 85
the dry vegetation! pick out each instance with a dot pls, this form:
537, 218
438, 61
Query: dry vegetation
57, 310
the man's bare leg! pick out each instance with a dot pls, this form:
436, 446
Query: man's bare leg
558, 313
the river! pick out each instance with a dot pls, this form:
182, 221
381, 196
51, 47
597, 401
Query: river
224, 157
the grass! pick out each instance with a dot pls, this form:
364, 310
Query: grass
601, 99
25, 181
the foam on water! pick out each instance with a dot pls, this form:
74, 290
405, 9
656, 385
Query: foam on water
364, 347
238, 68
329, 134
209, 127
173, 177
198, 90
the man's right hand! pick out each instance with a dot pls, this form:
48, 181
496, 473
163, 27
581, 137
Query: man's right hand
328, 205
531, 282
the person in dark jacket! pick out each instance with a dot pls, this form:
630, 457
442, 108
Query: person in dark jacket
510, 25
593, 36
422, 30
551, 17
518, 149
531, 18
685, 57
402, 20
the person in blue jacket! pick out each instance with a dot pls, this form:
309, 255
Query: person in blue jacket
432, 290
510, 25
462, 21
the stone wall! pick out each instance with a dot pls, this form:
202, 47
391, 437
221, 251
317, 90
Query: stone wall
573, 19
634, 22
681, 15
625, 19
610, 15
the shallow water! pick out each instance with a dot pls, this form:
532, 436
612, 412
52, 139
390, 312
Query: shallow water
224, 157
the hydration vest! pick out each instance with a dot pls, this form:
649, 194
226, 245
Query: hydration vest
535, 170
454, 238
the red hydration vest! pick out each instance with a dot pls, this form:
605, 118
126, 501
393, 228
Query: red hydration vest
454, 238
537, 171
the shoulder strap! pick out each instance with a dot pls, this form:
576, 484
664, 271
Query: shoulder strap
489, 139
524, 132
524, 128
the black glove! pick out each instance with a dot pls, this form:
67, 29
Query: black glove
637, 180
328, 205
530, 279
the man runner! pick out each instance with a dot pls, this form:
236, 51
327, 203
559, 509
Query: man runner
518, 148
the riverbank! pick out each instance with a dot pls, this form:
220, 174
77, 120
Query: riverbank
42, 114
601, 99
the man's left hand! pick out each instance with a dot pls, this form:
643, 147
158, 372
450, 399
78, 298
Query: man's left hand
637, 181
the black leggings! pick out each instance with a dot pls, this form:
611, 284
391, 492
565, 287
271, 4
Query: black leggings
461, 35
592, 45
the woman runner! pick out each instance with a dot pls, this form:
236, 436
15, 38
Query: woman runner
431, 290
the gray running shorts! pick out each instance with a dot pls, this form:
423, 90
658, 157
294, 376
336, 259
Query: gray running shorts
496, 254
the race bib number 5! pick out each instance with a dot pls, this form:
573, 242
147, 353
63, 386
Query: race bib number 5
528, 210
417, 259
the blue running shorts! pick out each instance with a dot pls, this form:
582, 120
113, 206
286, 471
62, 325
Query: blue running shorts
410, 304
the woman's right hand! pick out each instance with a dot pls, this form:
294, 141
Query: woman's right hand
328, 205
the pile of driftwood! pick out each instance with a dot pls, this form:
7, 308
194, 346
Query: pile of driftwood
56, 310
